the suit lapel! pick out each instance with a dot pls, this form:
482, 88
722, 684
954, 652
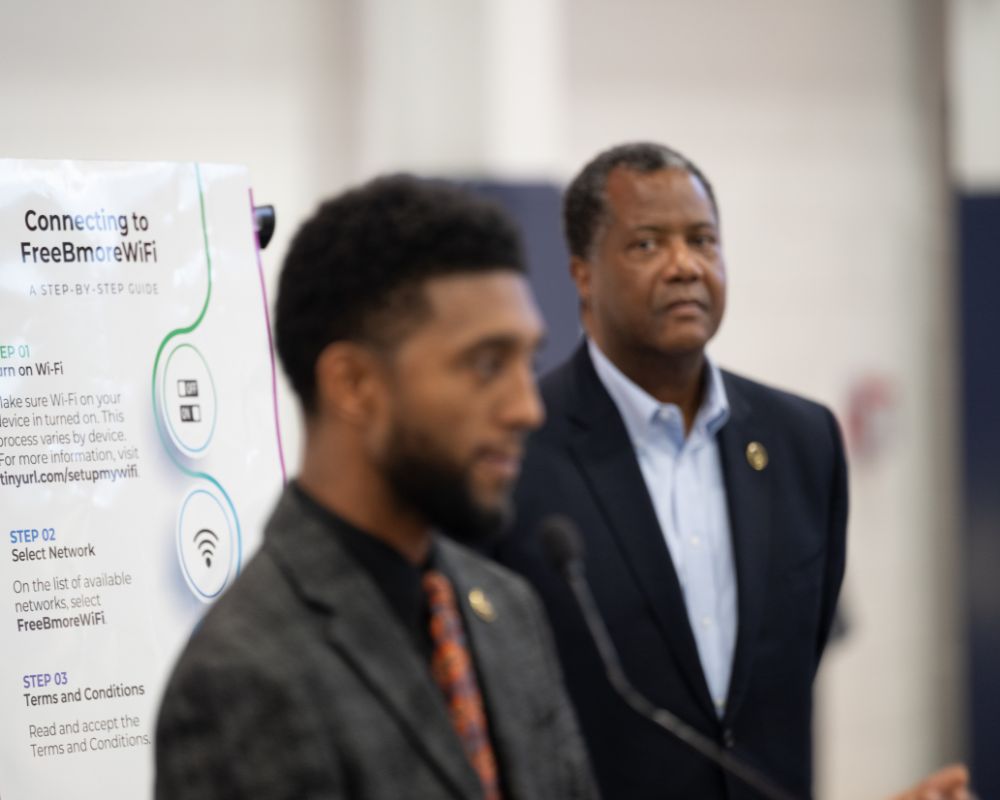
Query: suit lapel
748, 492
381, 653
606, 457
501, 683
365, 632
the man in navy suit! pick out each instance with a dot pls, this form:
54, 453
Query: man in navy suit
713, 509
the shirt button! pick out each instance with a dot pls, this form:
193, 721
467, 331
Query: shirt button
706, 621
696, 540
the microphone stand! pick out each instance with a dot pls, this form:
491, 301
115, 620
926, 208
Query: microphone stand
572, 571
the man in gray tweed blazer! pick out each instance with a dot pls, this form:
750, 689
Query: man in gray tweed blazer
407, 329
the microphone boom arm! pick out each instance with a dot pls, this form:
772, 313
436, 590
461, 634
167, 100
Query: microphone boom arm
573, 573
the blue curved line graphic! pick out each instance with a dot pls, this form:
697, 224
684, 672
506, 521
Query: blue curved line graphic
156, 365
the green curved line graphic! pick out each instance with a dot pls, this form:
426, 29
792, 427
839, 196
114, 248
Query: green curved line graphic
156, 365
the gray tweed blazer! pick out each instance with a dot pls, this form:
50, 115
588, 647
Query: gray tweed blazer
301, 683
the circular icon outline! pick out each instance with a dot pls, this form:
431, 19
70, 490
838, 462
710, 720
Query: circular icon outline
192, 584
175, 437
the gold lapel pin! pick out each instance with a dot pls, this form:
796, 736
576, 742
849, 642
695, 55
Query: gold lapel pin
757, 455
482, 606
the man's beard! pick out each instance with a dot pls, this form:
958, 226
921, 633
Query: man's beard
425, 480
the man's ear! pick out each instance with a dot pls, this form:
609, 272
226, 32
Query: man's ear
580, 271
348, 382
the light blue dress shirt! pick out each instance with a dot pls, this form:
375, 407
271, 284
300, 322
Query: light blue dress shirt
684, 477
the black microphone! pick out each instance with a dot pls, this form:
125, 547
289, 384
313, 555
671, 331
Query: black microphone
563, 548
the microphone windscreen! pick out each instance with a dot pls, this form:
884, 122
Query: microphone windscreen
561, 541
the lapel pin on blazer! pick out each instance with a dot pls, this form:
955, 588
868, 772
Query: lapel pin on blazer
482, 606
757, 455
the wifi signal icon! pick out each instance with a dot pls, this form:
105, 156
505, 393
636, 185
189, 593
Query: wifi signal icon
206, 541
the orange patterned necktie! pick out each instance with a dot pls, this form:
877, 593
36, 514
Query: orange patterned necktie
452, 668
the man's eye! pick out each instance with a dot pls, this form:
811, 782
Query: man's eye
704, 240
646, 245
486, 365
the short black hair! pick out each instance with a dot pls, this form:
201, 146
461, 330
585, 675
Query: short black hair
585, 200
355, 269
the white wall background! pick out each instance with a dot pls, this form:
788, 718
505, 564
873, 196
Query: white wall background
822, 125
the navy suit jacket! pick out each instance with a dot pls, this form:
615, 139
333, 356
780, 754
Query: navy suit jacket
788, 526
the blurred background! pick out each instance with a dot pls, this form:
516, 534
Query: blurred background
855, 151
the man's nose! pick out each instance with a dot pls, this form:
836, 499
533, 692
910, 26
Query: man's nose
682, 262
523, 408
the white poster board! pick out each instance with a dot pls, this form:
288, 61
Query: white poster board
139, 452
